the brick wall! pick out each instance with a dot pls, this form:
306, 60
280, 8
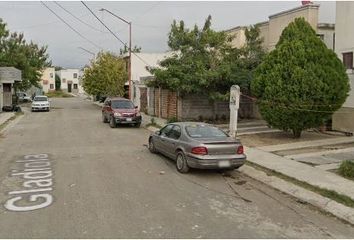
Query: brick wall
198, 106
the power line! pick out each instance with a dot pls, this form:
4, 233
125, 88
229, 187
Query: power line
148, 10
90, 26
78, 33
113, 33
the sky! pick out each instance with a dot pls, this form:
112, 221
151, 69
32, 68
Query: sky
151, 22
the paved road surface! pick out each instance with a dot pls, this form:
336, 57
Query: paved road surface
106, 184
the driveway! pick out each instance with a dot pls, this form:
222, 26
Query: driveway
100, 182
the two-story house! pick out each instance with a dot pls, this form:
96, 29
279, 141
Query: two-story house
69, 80
344, 47
48, 80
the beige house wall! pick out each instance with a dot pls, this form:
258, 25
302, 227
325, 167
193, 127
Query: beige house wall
48, 78
239, 37
279, 21
327, 31
343, 120
271, 30
264, 34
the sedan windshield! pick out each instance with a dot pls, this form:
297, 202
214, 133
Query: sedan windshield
118, 104
40, 99
204, 131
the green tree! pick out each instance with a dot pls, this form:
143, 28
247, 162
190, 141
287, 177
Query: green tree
57, 82
27, 57
106, 76
204, 62
301, 82
125, 50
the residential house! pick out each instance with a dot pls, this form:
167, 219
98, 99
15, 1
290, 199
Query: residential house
69, 79
47, 81
271, 30
8, 76
344, 47
139, 62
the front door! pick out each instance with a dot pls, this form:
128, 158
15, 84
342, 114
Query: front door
69, 87
7, 94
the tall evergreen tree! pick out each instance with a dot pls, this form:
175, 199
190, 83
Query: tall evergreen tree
301, 82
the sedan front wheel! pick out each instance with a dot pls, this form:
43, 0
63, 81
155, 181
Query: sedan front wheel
112, 123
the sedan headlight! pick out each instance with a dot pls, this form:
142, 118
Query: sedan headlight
117, 114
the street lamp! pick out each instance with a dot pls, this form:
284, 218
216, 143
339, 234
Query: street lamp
130, 48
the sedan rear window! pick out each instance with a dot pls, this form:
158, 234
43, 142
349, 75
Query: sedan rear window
204, 131
118, 104
40, 99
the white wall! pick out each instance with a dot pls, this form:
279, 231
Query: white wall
67, 75
139, 70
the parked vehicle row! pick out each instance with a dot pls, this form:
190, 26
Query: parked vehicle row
190, 144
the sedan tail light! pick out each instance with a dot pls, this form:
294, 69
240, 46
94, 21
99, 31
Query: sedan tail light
240, 150
200, 150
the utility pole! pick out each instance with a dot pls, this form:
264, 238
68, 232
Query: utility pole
130, 49
234, 106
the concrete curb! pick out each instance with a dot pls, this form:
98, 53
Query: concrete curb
11, 123
340, 211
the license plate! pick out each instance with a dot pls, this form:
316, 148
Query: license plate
224, 164
129, 119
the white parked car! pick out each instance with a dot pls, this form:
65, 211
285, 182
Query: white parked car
40, 103
23, 97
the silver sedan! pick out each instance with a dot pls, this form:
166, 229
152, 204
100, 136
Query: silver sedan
197, 145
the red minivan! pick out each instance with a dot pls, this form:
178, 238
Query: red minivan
119, 110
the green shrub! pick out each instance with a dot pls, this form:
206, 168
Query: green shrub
152, 120
346, 169
58, 94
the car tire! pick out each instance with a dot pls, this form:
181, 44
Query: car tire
151, 146
112, 124
104, 119
181, 163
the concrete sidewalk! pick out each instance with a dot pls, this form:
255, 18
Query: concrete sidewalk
5, 116
302, 172
306, 144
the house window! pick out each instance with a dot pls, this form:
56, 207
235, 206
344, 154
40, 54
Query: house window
51, 75
321, 36
348, 60
75, 75
51, 86
75, 86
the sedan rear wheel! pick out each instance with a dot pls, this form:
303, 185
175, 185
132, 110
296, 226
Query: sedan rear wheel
181, 163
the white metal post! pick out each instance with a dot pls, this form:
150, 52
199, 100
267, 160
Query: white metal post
234, 106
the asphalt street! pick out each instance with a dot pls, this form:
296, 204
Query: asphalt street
65, 174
